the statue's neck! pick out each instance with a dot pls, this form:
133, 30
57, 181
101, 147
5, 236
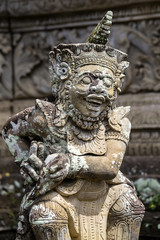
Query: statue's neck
87, 123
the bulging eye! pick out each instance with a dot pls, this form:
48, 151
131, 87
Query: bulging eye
86, 80
108, 82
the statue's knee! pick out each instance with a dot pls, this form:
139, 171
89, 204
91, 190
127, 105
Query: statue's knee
128, 205
47, 212
49, 220
125, 217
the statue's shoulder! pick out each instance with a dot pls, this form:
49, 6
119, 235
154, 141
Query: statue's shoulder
17, 118
119, 126
47, 108
117, 118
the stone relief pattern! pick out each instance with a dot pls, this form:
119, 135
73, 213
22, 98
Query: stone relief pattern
141, 40
145, 119
29, 7
5, 112
145, 143
22, 104
5, 67
31, 59
3, 7
145, 114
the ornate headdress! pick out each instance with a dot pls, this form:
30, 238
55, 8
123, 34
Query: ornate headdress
66, 58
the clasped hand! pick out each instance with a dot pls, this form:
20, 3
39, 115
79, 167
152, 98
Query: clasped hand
40, 170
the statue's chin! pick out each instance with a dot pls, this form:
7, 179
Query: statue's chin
93, 111
90, 112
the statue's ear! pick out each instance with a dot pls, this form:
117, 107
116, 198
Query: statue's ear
123, 65
119, 78
61, 63
62, 70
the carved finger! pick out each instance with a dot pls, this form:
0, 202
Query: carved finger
53, 169
57, 176
40, 153
35, 161
58, 179
47, 186
52, 159
33, 148
27, 178
31, 172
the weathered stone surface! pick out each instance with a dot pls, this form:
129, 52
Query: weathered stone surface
143, 51
30, 59
144, 144
3, 8
29, 7
145, 112
4, 25
85, 19
19, 105
5, 112
5, 67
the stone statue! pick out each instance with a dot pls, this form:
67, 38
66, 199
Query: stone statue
70, 151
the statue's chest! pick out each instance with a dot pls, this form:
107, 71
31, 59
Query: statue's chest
80, 142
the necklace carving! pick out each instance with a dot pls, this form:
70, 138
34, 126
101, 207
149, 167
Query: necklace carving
80, 142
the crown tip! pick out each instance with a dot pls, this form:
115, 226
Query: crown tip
101, 33
109, 13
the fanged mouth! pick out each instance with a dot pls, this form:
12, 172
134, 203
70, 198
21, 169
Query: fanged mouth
95, 100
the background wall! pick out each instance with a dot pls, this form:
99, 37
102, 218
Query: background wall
28, 31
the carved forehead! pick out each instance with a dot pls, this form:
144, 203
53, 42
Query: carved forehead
94, 68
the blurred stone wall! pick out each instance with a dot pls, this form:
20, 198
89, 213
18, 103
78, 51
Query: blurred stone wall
28, 31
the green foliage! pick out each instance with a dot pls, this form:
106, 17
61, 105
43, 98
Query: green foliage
13, 218
148, 190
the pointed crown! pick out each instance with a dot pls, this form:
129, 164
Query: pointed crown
65, 58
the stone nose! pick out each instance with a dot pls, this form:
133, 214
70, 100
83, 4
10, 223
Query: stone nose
99, 88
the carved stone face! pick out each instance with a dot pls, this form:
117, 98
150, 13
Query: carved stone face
92, 89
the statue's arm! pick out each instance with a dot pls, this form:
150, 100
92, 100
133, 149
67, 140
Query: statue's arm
15, 135
19, 132
106, 166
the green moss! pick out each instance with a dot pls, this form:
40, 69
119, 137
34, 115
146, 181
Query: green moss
148, 190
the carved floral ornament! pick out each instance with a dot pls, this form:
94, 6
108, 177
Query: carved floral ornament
5, 67
70, 151
140, 39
